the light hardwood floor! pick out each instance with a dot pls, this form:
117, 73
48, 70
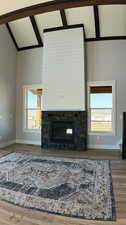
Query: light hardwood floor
13, 215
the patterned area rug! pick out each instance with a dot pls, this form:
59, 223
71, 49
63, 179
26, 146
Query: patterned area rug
70, 187
4, 152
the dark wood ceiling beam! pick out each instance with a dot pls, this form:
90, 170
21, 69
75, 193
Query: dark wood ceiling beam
64, 28
106, 38
52, 6
36, 30
63, 17
96, 18
29, 47
12, 36
87, 40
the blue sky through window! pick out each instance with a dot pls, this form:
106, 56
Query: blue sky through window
101, 100
32, 100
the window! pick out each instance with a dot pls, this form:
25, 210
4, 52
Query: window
32, 110
101, 107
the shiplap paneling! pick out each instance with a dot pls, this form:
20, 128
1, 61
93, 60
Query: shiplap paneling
9, 6
48, 20
112, 20
84, 15
23, 32
63, 70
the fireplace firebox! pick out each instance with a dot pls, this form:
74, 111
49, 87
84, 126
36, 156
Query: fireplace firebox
62, 132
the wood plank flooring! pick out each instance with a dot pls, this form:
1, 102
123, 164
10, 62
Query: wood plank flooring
14, 215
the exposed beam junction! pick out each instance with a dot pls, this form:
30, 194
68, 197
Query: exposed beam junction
12, 36
63, 17
36, 30
96, 17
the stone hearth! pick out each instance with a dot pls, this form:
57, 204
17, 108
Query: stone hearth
71, 130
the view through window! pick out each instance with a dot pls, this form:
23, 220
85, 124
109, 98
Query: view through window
33, 108
101, 108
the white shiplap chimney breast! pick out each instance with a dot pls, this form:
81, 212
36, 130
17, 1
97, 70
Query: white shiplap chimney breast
63, 70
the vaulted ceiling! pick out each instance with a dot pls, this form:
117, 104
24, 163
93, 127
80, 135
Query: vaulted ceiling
102, 20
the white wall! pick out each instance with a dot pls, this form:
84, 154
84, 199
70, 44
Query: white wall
29, 71
8, 59
63, 70
106, 60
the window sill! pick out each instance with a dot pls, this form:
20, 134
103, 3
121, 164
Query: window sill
101, 134
32, 131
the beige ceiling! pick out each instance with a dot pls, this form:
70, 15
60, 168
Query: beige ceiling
7, 6
112, 20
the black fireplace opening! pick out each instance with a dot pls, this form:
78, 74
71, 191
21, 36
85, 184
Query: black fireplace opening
62, 132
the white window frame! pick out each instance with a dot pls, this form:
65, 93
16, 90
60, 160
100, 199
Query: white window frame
103, 83
25, 89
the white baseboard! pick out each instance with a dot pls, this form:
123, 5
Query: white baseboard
23, 141
7, 143
29, 142
109, 147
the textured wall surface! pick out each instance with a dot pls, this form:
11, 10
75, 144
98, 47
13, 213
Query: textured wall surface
106, 60
63, 70
8, 60
29, 72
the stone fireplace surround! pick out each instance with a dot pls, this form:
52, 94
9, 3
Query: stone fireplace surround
79, 120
